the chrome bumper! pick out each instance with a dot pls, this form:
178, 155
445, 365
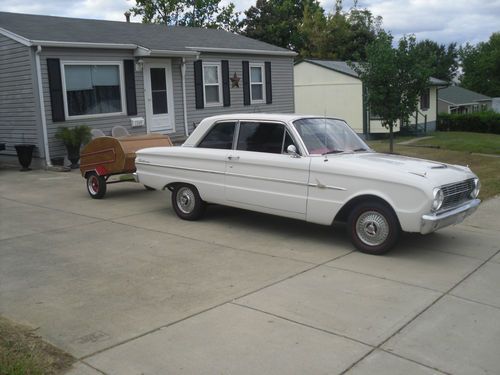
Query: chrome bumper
433, 222
136, 177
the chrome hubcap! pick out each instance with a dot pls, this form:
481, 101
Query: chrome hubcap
185, 200
93, 184
372, 228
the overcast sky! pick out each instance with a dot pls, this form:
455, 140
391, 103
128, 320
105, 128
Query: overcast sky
441, 20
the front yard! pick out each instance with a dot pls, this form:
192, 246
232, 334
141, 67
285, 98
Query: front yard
457, 148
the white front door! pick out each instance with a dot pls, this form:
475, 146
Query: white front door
158, 91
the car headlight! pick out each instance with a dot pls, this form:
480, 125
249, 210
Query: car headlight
437, 202
477, 188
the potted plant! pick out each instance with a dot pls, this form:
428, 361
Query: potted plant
73, 138
25, 155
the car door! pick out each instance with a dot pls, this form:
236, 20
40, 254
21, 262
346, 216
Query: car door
260, 175
209, 158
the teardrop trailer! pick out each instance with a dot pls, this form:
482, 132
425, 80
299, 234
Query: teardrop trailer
104, 157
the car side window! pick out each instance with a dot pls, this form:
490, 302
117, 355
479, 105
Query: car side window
261, 137
220, 136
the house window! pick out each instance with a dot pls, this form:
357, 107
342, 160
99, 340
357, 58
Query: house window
212, 86
425, 100
257, 83
94, 89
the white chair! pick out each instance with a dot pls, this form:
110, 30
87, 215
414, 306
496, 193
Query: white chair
96, 133
119, 131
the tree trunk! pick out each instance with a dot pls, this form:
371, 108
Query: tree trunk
391, 138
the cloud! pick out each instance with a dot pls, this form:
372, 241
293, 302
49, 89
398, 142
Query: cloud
442, 20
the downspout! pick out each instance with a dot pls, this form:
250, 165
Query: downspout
42, 106
184, 104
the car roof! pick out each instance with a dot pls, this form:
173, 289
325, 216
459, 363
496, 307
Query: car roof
288, 117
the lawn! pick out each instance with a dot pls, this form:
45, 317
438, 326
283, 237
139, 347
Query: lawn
22, 352
462, 141
457, 148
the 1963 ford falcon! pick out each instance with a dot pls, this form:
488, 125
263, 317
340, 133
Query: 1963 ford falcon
313, 169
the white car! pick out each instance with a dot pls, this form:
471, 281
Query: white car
309, 168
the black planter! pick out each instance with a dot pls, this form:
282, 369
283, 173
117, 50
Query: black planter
25, 155
73, 155
58, 161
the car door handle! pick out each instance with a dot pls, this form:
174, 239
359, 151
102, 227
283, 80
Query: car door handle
230, 157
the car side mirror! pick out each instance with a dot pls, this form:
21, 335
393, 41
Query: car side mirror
292, 151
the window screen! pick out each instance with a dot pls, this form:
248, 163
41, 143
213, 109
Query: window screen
220, 136
261, 137
92, 89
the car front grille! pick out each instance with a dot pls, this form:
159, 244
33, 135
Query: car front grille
457, 193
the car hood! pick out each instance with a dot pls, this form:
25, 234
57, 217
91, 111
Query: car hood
436, 172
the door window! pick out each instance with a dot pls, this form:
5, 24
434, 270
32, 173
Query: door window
159, 90
261, 137
220, 136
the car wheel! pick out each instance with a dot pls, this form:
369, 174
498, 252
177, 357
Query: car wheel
373, 227
96, 185
187, 202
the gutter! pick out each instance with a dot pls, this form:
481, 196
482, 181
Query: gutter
242, 51
184, 104
42, 106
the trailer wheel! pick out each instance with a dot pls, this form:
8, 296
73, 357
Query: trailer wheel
96, 185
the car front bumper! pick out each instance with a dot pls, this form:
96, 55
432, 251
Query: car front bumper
433, 222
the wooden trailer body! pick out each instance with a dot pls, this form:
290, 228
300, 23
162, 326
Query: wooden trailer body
108, 156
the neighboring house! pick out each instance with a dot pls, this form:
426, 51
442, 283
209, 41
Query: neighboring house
333, 88
57, 71
456, 99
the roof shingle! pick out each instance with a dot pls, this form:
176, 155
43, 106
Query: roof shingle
151, 36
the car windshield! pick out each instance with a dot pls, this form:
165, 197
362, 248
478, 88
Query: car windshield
328, 136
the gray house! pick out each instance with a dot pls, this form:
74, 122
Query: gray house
456, 99
58, 71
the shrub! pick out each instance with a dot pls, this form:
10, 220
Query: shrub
478, 122
74, 137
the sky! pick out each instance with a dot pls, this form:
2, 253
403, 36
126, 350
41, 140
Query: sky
444, 21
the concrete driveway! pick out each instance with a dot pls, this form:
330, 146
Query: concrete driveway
128, 288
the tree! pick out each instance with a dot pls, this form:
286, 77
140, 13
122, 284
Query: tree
341, 35
394, 79
481, 66
194, 13
444, 59
278, 21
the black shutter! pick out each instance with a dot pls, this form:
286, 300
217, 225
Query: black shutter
55, 88
269, 83
130, 87
198, 84
226, 95
246, 83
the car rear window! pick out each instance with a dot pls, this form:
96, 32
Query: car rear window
220, 136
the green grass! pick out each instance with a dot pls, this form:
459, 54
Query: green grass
22, 352
486, 167
464, 141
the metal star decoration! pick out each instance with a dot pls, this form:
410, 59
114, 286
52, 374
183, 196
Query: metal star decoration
235, 80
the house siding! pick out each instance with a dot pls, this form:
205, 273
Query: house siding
105, 123
282, 79
282, 87
18, 109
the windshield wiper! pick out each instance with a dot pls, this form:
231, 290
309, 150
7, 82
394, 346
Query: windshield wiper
360, 149
333, 152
